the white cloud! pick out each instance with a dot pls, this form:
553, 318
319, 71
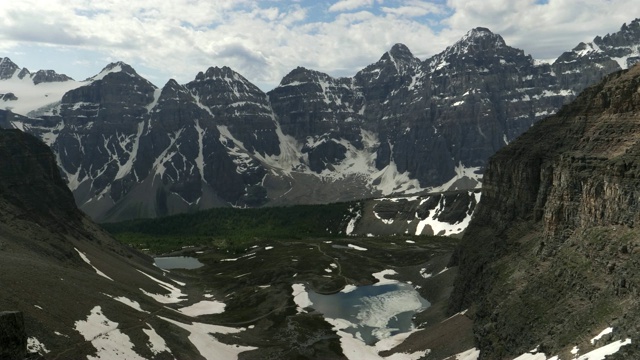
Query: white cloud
264, 40
415, 8
543, 29
346, 5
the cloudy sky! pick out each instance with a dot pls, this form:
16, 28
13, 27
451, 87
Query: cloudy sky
265, 39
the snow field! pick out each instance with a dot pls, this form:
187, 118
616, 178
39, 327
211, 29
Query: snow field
204, 307
175, 295
209, 347
105, 336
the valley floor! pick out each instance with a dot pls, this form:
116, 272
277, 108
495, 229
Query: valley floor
258, 291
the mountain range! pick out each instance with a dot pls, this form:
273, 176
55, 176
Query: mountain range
128, 149
550, 257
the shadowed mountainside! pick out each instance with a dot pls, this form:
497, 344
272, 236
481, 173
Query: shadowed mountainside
551, 256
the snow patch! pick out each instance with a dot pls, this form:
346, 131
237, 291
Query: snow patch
604, 332
352, 222
471, 354
35, 346
356, 349
208, 346
348, 288
300, 297
105, 336
175, 295
600, 353
356, 247
130, 303
156, 343
382, 277
204, 307
85, 259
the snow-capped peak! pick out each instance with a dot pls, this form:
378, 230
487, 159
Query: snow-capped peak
401, 57
482, 37
401, 51
7, 68
114, 67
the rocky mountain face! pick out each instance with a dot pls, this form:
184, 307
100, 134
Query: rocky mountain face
551, 256
128, 149
71, 291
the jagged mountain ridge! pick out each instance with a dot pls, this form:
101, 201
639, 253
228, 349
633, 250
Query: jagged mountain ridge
129, 149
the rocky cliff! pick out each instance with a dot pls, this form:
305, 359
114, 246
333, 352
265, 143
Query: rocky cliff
128, 149
80, 292
551, 256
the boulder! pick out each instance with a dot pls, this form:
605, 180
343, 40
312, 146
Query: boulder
13, 338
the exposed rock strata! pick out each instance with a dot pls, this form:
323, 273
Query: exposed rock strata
551, 255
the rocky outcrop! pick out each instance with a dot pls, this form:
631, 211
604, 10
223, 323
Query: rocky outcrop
13, 338
551, 253
445, 214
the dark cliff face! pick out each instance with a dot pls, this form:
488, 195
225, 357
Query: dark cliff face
551, 254
30, 179
239, 105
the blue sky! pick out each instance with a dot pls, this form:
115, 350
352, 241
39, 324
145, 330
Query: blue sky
264, 40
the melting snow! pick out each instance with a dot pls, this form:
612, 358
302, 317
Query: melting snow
597, 354
157, 344
200, 158
377, 312
103, 333
424, 274
175, 295
461, 172
471, 354
208, 346
84, 257
604, 332
445, 228
34, 345
300, 297
130, 303
125, 169
348, 288
355, 247
205, 307
381, 277
355, 349
352, 223
600, 353
154, 102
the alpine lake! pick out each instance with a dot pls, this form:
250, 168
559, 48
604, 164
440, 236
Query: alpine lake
339, 277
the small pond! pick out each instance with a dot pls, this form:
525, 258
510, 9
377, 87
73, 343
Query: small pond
376, 311
177, 262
